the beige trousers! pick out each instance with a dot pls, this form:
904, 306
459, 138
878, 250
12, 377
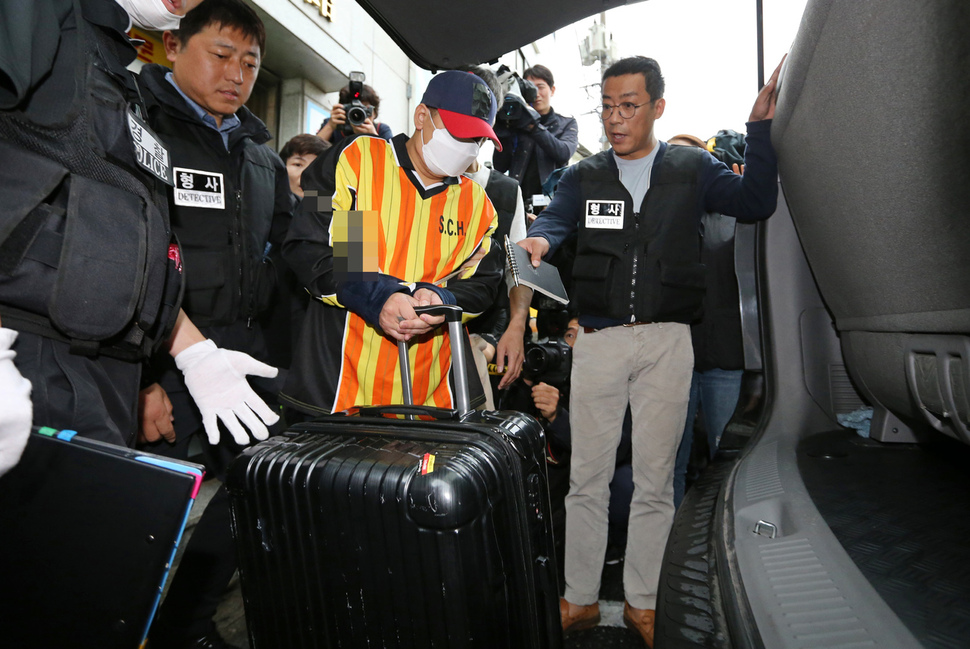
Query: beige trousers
648, 366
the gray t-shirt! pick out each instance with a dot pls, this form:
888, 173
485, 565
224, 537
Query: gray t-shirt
635, 175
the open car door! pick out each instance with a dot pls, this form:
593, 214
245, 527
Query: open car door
443, 34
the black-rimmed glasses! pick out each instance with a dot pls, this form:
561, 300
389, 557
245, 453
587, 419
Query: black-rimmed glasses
627, 109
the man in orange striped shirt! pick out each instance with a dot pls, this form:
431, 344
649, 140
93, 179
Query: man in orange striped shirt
386, 226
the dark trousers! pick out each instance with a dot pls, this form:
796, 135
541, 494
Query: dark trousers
97, 397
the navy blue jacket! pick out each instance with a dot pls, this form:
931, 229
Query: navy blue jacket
750, 197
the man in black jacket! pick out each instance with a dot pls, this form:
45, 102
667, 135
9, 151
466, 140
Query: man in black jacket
638, 284
530, 153
230, 198
230, 190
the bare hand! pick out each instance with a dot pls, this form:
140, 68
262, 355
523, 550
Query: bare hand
738, 169
510, 356
476, 257
546, 399
537, 247
338, 116
764, 105
366, 127
155, 415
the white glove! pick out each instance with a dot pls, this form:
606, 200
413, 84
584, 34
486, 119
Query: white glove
216, 379
16, 412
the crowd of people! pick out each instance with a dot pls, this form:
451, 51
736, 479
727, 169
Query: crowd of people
247, 290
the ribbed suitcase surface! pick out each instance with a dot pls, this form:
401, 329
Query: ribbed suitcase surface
377, 532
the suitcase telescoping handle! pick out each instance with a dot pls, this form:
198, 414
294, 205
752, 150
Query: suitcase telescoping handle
452, 314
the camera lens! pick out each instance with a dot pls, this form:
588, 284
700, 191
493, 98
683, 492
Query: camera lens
356, 115
536, 360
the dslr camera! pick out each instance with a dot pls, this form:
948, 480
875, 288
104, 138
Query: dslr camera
549, 362
357, 112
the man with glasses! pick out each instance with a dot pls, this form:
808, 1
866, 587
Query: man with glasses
638, 284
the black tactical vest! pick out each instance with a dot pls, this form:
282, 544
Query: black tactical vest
85, 252
640, 263
224, 234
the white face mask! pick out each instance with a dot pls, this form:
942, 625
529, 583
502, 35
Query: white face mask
150, 14
446, 156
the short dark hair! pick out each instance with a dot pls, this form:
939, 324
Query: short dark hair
304, 144
649, 68
539, 72
368, 95
234, 14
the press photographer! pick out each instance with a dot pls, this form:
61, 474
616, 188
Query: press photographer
546, 371
535, 139
355, 114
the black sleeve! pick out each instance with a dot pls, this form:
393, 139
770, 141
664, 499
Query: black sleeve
478, 292
560, 148
306, 246
308, 252
752, 196
283, 205
502, 160
29, 37
559, 435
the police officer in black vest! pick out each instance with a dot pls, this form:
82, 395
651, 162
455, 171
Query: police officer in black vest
231, 195
229, 188
90, 276
638, 284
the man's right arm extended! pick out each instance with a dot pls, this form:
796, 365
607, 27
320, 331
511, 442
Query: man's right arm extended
558, 220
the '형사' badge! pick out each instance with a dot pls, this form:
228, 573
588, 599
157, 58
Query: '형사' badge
604, 215
195, 188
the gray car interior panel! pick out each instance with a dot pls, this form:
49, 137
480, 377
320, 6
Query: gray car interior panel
800, 587
868, 129
871, 131
745, 250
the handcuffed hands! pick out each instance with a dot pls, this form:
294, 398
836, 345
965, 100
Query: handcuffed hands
216, 379
398, 319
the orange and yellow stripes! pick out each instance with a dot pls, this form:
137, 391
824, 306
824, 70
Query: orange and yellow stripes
419, 240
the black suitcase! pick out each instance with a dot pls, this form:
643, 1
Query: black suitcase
371, 531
